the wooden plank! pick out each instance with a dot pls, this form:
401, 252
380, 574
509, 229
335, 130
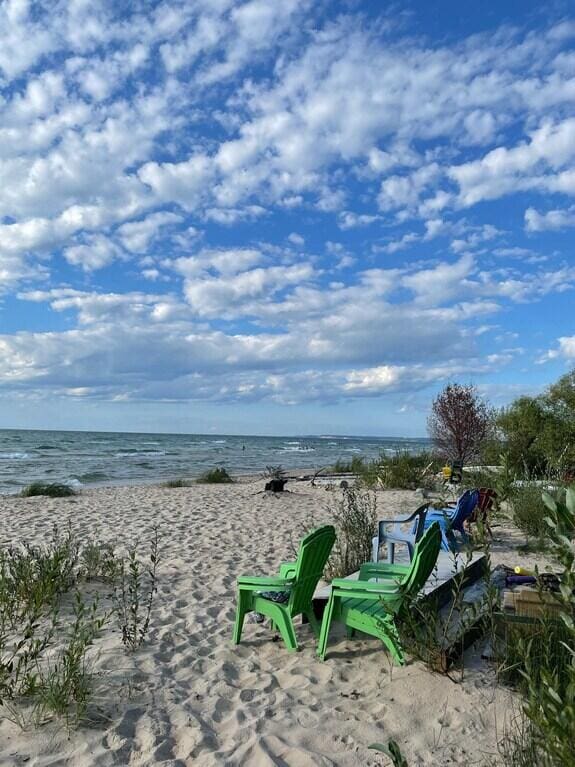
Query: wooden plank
438, 587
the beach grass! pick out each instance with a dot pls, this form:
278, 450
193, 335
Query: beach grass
50, 621
50, 489
175, 483
217, 476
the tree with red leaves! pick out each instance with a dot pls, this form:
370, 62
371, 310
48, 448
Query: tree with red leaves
460, 422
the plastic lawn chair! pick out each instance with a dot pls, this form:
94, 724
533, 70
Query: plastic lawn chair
393, 535
453, 518
480, 514
298, 581
372, 607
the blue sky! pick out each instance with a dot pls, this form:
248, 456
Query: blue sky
295, 217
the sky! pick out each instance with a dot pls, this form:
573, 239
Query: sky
295, 217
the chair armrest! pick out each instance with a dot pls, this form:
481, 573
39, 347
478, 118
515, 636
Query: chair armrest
416, 513
373, 570
253, 582
343, 587
287, 569
445, 512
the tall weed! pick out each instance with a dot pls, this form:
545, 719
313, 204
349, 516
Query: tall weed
134, 595
355, 518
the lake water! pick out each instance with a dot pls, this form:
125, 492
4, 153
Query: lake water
107, 458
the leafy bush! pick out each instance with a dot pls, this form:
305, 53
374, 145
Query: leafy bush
406, 471
528, 510
53, 490
357, 465
546, 662
355, 518
217, 476
32, 577
538, 433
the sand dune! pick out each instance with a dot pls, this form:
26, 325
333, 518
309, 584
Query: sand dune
189, 697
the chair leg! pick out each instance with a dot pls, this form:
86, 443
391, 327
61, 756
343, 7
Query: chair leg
410, 550
286, 629
313, 622
350, 632
325, 626
390, 638
391, 552
241, 610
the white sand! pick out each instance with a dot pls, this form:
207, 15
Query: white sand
189, 697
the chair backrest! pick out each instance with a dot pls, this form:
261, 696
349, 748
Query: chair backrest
487, 497
418, 524
313, 554
466, 503
424, 559
420, 514
485, 501
456, 474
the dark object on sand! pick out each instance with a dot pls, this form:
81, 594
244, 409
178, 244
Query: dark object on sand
275, 485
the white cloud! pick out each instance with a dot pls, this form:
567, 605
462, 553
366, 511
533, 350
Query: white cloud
552, 219
565, 350
137, 235
122, 134
532, 164
95, 252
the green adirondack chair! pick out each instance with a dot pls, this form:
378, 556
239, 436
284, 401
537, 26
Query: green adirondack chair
372, 607
299, 578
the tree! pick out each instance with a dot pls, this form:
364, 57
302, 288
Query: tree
460, 422
538, 433
523, 426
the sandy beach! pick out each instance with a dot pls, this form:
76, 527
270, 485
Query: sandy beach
189, 697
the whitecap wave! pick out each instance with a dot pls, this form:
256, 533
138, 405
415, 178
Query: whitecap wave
13, 456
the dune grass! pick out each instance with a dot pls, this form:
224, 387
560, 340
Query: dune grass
50, 619
174, 483
50, 489
217, 476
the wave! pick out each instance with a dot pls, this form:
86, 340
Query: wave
93, 476
298, 449
13, 456
73, 482
48, 447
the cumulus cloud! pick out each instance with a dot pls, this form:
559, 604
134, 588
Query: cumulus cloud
550, 220
219, 149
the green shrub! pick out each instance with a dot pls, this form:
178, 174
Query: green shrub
218, 476
53, 490
357, 465
545, 661
406, 471
32, 577
528, 510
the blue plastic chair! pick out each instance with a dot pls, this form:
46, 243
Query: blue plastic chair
395, 534
452, 519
